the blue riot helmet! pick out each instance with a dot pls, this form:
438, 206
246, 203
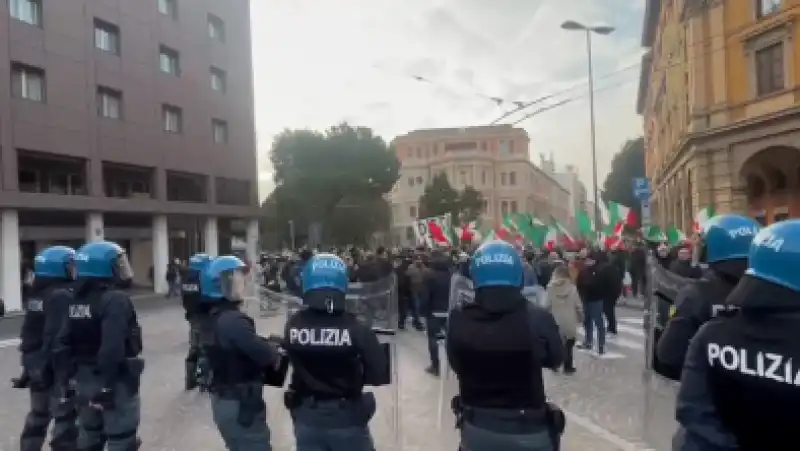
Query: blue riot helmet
200, 262
224, 279
727, 237
56, 262
103, 260
324, 283
496, 264
775, 254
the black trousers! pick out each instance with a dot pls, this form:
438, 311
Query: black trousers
406, 305
569, 346
638, 281
610, 311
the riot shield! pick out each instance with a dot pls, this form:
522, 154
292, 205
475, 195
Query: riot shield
375, 304
660, 392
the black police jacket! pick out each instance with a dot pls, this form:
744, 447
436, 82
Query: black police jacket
696, 304
333, 355
238, 355
190, 292
741, 384
498, 346
102, 329
435, 298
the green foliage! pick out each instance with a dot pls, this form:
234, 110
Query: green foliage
626, 165
336, 178
470, 204
440, 198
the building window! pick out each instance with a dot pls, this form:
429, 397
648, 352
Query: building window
109, 103
503, 178
411, 182
769, 69
766, 8
462, 177
27, 82
483, 177
220, 130
504, 208
513, 206
419, 180
512, 178
106, 36
216, 28
412, 211
172, 118
169, 61
168, 8
28, 11
218, 80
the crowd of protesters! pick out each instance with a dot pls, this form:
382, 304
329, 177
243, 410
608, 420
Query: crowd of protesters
580, 288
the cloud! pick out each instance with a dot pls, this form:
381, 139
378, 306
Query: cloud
318, 63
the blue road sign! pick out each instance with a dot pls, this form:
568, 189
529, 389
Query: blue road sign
641, 188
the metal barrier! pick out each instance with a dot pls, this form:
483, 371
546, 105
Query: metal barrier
660, 392
374, 303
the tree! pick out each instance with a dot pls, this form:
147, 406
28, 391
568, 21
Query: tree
328, 178
626, 165
441, 198
470, 204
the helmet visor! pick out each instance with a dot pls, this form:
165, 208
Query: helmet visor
232, 284
122, 267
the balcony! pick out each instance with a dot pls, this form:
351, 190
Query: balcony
127, 181
39, 172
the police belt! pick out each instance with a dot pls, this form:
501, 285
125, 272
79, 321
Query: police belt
233, 391
506, 421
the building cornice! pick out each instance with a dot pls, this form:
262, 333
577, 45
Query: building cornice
652, 12
644, 81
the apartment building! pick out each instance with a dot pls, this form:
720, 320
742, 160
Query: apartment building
126, 120
495, 160
719, 97
570, 180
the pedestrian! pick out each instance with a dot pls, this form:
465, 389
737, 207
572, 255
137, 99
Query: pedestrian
566, 308
593, 286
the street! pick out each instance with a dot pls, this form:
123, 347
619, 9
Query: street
603, 399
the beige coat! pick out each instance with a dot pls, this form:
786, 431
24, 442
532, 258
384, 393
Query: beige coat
566, 306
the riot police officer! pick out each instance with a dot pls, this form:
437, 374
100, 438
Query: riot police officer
239, 359
741, 382
99, 346
45, 310
725, 242
333, 356
498, 345
196, 313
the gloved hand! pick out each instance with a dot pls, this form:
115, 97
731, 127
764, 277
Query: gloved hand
23, 381
104, 400
66, 392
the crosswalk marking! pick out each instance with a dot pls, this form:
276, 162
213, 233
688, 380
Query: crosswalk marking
633, 321
632, 330
9, 343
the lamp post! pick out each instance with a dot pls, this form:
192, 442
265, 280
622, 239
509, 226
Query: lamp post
601, 30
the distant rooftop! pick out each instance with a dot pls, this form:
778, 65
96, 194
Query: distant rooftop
479, 129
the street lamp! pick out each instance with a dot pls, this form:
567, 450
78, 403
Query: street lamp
603, 30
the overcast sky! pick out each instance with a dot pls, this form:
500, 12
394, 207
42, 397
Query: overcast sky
320, 62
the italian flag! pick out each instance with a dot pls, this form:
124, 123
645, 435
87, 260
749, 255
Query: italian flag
474, 231
675, 236
620, 213
551, 238
562, 232
653, 233
700, 218
440, 231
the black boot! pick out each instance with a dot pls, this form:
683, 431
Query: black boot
191, 375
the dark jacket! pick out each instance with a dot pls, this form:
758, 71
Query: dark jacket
436, 294
594, 282
684, 268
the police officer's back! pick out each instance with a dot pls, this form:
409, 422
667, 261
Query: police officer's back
333, 356
239, 359
725, 242
99, 345
497, 346
45, 310
741, 382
